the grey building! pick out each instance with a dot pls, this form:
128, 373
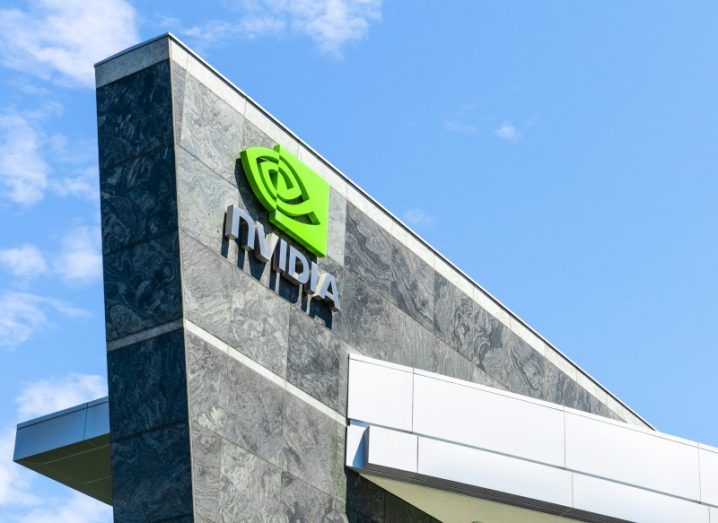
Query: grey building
240, 389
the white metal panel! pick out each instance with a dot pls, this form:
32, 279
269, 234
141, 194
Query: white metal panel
391, 449
380, 394
631, 456
480, 418
709, 476
714, 514
483, 469
634, 504
355, 449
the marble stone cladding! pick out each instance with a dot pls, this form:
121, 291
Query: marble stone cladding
243, 415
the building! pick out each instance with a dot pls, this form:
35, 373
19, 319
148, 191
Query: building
281, 348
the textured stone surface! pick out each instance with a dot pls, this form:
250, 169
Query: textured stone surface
454, 316
131, 62
313, 360
506, 358
147, 384
206, 383
389, 267
197, 183
206, 462
301, 502
211, 130
434, 355
250, 487
364, 499
207, 287
151, 475
138, 199
142, 286
337, 227
376, 327
313, 447
255, 412
134, 115
259, 323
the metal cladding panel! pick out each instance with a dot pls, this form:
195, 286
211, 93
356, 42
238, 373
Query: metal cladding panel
391, 449
50, 433
628, 455
708, 458
476, 417
492, 471
634, 504
519, 451
380, 394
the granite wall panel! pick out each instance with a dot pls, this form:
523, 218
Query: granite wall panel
134, 115
138, 199
151, 475
142, 286
147, 383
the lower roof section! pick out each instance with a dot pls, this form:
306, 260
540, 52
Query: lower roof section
71, 446
422, 434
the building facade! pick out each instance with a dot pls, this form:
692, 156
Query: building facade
257, 375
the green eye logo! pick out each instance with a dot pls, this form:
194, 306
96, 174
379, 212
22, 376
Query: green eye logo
295, 196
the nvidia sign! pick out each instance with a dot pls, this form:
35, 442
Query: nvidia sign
297, 200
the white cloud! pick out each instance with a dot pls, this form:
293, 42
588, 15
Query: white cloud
509, 132
53, 394
24, 262
419, 217
330, 24
80, 259
25, 147
62, 39
14, 481
22, 315
23, 169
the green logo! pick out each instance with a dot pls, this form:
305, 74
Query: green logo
295, 196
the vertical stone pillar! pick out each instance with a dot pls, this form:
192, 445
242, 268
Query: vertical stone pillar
151, 467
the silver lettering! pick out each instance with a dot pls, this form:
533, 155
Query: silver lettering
233, 227
297, 267
265, 245
329, 292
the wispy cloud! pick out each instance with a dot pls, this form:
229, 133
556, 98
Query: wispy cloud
26, 148
60, 40
78, 259
509, 132
25, 262
23, 168
419, 217
22, 315
53, 394
330, 24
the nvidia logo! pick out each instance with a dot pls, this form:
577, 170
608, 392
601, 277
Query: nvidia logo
298, 203
295, 196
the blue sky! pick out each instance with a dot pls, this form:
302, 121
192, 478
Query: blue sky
562, 153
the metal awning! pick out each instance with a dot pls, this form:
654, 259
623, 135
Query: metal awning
71, 446
464, 452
